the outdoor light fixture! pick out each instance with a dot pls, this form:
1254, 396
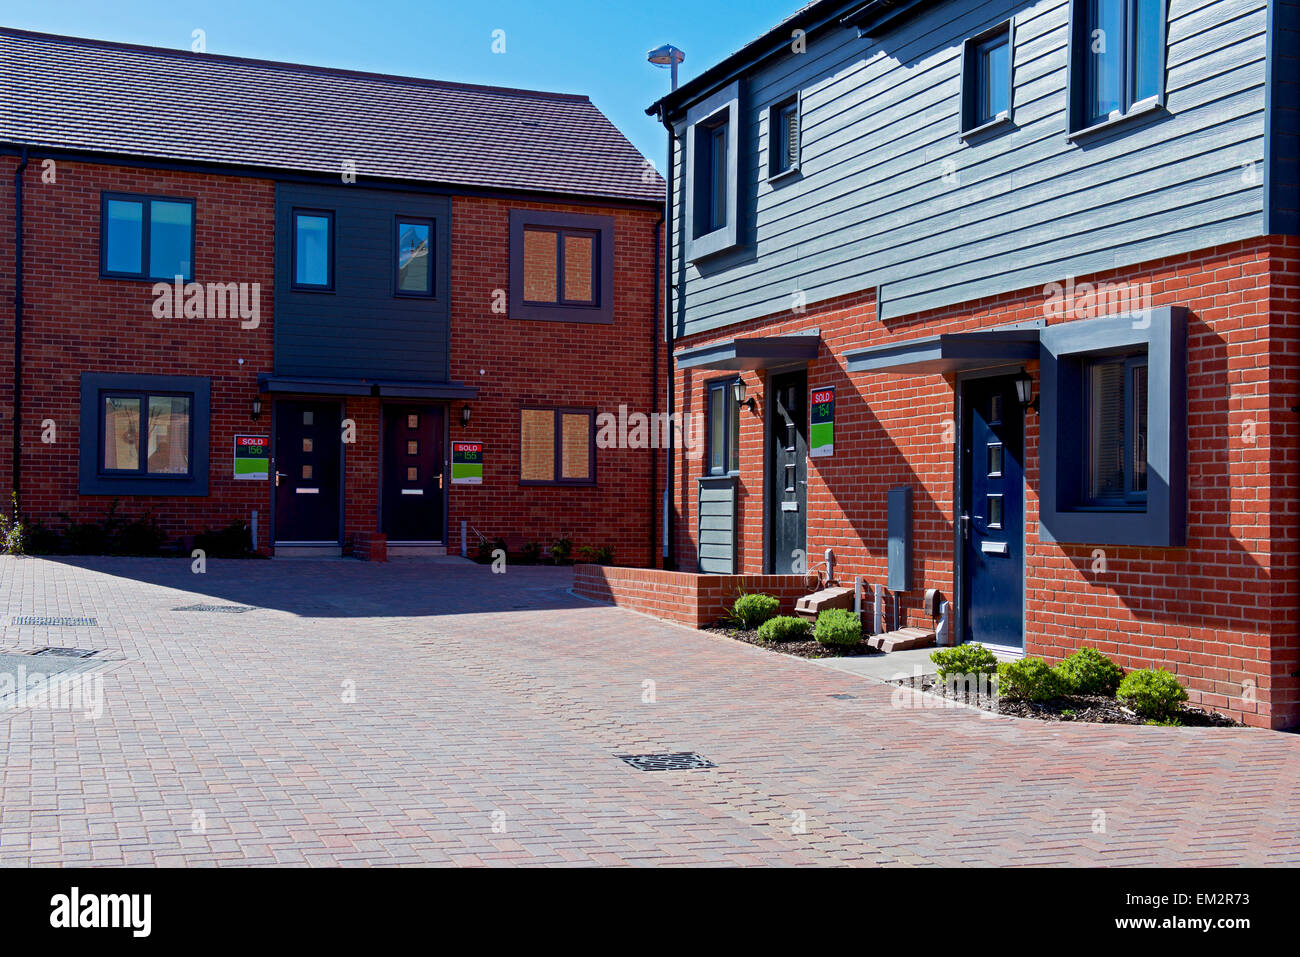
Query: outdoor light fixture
257, 408
667, 56
464, 416
1025, 391
738, 391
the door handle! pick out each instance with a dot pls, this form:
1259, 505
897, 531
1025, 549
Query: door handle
278, 476
965, 527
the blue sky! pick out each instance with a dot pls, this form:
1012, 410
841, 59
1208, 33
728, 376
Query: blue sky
595, 48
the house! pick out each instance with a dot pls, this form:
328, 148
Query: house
996, 304
363, 312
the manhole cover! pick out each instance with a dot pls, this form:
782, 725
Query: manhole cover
678, 761
66, 652
228, 609
64, 622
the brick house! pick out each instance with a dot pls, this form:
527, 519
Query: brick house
1004, 317
401, 306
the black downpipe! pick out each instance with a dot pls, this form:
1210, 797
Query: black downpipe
654, 397
670, 524
18, 326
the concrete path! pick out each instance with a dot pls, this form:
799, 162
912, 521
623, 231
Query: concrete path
422, 712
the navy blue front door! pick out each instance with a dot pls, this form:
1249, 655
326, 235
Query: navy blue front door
992, 517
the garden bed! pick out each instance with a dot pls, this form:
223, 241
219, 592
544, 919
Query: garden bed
806, 648
1096, 709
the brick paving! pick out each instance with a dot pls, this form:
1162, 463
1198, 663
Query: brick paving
433, 713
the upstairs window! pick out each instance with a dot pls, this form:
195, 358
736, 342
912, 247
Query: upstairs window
783, 137
561, 266
414, 257
146, 237
713, 148
986, 81
712, 140
1119, 58
1117, 431
313, 250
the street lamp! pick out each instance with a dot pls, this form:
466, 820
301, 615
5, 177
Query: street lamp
669, 56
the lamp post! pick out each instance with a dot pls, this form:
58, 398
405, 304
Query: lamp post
669, 56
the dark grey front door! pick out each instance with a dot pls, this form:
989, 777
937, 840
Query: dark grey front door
308, 461
413, 473
787, 465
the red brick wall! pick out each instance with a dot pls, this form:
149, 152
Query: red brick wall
75, 322
530, 362
1221, 613
684, 597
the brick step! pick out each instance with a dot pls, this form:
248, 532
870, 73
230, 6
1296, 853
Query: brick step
809, 605
903, 639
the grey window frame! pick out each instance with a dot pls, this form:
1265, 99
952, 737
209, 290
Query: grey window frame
702, 239
1064, 351
601, 309
730, 427
94, 480
1079, 123
331, 239
972, 86
146, 216
559, 413
398, 221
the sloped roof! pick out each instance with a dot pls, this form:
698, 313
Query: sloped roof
96, 96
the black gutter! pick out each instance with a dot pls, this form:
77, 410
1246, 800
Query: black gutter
654, 395
18, 328
670, 525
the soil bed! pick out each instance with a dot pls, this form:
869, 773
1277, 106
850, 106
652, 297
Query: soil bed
1097, 709
808, 648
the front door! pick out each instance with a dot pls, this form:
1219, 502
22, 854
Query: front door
992, 512
413, 459
787, 463
308, 459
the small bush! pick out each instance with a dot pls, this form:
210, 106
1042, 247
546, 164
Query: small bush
1088, 671
1164, 722
530, 554
233, 541
971, 658
750, 611
40, 540
1152, 693
141, 537
1029, 679
486, 548
597, 556
783, 628
561, 549
838, 626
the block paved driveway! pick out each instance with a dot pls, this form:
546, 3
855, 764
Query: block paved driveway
487, 715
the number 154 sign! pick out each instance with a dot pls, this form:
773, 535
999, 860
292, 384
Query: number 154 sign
821, 437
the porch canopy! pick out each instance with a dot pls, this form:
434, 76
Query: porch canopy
750, 353
385, 388
949, 351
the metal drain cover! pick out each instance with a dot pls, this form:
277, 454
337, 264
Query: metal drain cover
66, 652
677, 761
64, 622
845, 697
228, 609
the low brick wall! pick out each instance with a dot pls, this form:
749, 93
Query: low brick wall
683, 597
370, 546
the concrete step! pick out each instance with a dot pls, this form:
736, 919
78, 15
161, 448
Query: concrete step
904, 639
809, 605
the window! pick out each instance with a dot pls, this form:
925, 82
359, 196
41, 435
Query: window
143, 435
1119, 59
561, 266
1117, 430
557, 446
146, 237
713, 149
723, 428
987, 79
783, 137
313, 249
414, 257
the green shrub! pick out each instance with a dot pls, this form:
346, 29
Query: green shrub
13, 532
233, 541
604, 555
40, 540
784, 628
141, 537
486, 548
561, 549
1088, 671
1029, 679
530, 554
750, 611
971, 658
838, 626
1152, 693
1165, 722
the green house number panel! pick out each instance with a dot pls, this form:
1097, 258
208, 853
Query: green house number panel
821, 432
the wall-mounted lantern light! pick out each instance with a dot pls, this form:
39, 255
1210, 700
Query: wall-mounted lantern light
1025, 391
738, 392
464, 416
257, 408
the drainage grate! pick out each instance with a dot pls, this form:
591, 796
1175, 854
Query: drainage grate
228, 609
64, 622
679, 761
66, 652
845, 697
